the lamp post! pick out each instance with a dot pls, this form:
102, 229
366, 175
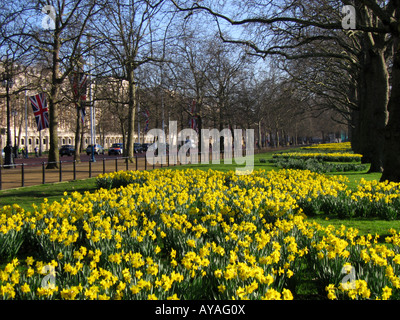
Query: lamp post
8, 160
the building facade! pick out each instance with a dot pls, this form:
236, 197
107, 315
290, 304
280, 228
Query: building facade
23, 127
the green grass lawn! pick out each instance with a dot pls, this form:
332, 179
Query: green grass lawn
53, 192
226, 167
364, 226
26, 196
354, 177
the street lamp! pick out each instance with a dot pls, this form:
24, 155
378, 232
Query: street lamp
8, 161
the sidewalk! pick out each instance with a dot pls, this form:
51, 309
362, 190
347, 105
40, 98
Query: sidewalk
35, 174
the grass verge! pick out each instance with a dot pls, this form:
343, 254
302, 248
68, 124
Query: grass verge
26, 196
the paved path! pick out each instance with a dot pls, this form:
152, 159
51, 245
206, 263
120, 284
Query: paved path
33, 172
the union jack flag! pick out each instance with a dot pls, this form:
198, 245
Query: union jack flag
146, 114
40, 110
79, 84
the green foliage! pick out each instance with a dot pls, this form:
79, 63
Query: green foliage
344, 206
315, 165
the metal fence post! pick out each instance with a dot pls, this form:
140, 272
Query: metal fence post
60, 170
90, 169
23, 175
74, 169
116, 164
104, 165
1, 182
43, 173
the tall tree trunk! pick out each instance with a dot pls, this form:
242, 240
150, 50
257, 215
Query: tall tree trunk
130, 152
199, 129
391, 162
54, 156
373, 111
221, 126
78, 141
354, 130
82, 139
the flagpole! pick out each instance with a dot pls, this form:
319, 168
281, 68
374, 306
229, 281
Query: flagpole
91, 105
26, 121
138, 112
162, 98
91, 119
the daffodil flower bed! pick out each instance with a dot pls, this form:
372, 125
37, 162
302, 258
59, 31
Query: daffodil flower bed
318, 165
192, 234
321, 156
371, 199
332, 147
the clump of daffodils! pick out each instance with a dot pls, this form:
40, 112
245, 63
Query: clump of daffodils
192, 234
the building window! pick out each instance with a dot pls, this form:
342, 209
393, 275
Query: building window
30, 141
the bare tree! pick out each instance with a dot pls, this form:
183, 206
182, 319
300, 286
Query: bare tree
54, 43
130, 30
376, 20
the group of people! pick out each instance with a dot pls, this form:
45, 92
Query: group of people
24, 152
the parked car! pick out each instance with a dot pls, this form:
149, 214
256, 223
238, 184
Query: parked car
145, 146
67, 150
116, 149
137, 148
98, 149
156, 146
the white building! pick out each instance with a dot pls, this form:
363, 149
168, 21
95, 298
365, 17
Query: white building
23, 128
